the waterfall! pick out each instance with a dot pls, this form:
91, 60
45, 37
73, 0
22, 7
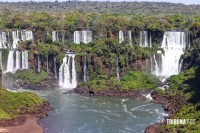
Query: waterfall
17, 66
121, 36
26, 35
23, 35
174, 44
74, 80
130, 37
10, 62
55, 68
84, 36
145, 39
67, 76
77, 37
14, 64
24, 59
54, 36
39, 63
85, 70
29, 35
15, 35
117, 69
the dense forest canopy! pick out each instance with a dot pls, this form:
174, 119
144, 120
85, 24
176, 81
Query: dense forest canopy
156, 8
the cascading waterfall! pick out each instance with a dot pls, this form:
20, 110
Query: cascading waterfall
77, 37
125, 35
15, 35
55, 68
24, 59
174, 44
39, 63
67, 76
117, 69
10, 62
29, 35
85, 70
3, 39
145, 39
130, 37
17, 66
55, 36
26, 35
84, 36
121, 36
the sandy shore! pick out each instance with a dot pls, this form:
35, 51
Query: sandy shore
30, 126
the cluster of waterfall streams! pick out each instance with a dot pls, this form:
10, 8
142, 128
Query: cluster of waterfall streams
17, 60
67, 72
125, 36
84, 36
168, 63
145, 39
17, 36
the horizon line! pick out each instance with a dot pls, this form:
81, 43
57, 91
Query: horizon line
113, 1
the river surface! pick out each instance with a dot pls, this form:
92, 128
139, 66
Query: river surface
74, 113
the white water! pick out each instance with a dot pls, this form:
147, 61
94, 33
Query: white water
3, 39
26, 35
145, 39
84, 36
15, 35
17, 66
148, 96
85, 69
125, 35
121, 36
77, 37
67, 75
10, 62
55, 36
130, 37
24, 59
174, 44
117, 69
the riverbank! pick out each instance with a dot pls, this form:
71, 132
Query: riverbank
20, 112
30, 125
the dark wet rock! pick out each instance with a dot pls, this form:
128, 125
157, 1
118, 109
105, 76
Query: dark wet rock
151, 129
91, 93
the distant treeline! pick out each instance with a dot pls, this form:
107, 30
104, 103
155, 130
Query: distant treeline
145, 8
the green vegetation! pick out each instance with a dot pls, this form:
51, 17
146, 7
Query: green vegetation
186, 85
149, 8
138, 80
30, 76
133, 80
13, 104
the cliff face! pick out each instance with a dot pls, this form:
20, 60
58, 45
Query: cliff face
95, 66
